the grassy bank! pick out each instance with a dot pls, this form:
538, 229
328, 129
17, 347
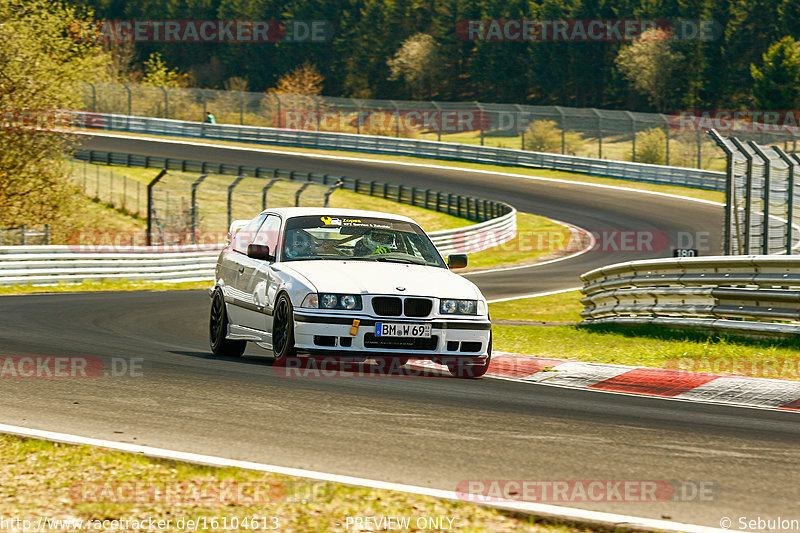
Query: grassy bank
56, 481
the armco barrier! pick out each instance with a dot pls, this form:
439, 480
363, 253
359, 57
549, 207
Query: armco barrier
699, 179
44, 265
755, 295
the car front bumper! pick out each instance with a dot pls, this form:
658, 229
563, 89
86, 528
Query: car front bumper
336, 334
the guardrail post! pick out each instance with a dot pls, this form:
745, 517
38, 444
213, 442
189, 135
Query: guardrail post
299, 192
790, 191
230, 197
195, 184
149, 236
767, 167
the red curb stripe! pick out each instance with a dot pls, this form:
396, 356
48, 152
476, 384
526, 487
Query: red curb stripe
655, 381
792, 406
514, 366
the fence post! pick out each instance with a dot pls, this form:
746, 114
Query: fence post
23, 229
1, 235
599, 134
47, 234
195, 184
149, 236
699, 148
790, 195
633, 131
748, 194
166, 102
562, 122
666, 132
130, 106
480, 109
299, 192
729, 192
264, 192
230, 197
757, 149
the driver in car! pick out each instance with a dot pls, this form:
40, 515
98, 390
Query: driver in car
376, 241
299, 244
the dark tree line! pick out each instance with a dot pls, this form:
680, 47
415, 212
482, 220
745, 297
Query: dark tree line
710, 74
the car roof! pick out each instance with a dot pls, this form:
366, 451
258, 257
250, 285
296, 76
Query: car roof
290, 212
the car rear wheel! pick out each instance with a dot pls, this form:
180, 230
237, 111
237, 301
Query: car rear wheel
467, 369
218, 329
283, 330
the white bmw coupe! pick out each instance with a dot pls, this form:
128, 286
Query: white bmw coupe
347, 284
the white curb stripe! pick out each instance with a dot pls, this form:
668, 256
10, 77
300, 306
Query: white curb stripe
578, 374
535, 295
541, 510
746, 391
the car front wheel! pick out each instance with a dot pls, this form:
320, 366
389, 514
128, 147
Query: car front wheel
218, 329
283, 330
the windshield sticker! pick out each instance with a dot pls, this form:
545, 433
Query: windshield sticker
330, 221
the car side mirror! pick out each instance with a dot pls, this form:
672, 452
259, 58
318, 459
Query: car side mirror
259, 251
457, 261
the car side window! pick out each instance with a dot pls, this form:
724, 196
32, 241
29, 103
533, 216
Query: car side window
269, 233
245, 235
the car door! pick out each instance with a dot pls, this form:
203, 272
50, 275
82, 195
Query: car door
239, 262
256, 276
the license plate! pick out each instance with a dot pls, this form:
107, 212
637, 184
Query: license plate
399, 329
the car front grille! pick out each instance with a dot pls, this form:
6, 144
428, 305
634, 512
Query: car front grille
387, 306
394, 306
400, 343
417, 307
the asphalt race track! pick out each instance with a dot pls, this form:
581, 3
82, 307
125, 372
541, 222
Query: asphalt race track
434, 431
591, 208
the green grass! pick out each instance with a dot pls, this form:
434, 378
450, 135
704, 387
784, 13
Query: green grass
63, 481
537, 239
569, 176
655, 347
564, 307
644, 345
104, 285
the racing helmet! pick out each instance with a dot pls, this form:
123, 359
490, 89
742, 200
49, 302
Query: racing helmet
379, 241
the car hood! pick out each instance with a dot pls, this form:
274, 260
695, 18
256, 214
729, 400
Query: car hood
369, 277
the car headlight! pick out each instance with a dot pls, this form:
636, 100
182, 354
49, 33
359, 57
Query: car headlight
458, 307
327, 300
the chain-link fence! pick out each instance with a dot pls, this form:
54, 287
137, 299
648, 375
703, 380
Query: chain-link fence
762, 197
676, 139
121, 191
25, 235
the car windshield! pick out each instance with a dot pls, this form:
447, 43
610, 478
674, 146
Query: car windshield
358, 238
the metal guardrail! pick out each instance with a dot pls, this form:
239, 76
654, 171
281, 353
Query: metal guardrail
641, 172
755, 295
45, 265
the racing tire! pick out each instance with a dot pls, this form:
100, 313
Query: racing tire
282, 330
218, 328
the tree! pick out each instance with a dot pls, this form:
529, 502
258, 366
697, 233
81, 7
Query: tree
304, 80
158, 74
777, 83
40, 67
648, 64
417, 64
